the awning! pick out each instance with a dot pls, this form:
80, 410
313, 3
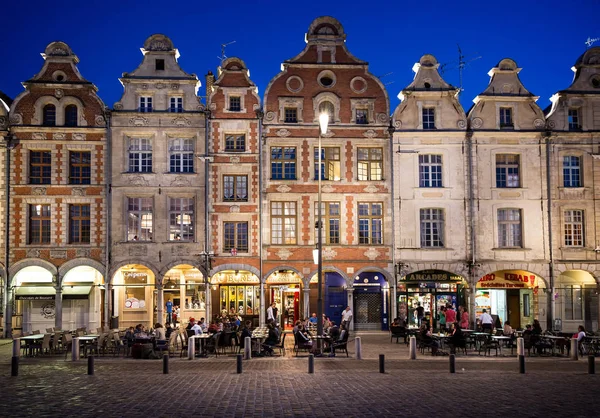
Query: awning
76, 292
35, 293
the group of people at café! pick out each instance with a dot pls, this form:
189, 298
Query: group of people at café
334, 335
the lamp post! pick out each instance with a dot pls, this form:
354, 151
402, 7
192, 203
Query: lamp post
206, 263
323, 122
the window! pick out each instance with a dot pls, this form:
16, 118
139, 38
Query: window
140, 155
507, 170
80, 168
506, 119
159, 64
428, 118
79, 224
40, 167
291, 115
71, 115
574, 228
370, 223
330, 213
235, 143
283, 223
574, 124
181, 219
39, 224
176, 104
432, 228
181, 155
49, 115
330, 164
235, 188
370, 163
235, 103
327, 107
139, 219
362, 116
573, 303
283, 163
145, 104
509, 228
430, 171
571, 171
235, 235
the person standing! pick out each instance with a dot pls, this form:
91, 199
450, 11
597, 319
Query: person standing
169, 306
450, 315
442, 318
420, 312
464, 318
486, 321
270, 312
347, 317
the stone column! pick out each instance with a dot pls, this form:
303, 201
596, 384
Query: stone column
207, 307
7, 303
393, 302
472, 319
350, 299
262, 309
160, 305
108, 298
58, 314
306, 307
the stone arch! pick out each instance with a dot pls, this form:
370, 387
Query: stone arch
327, 269
71, 100
386, 274
327, 96
458, 268
234, 266
540, 270
113, 270
592, 269
190, 262
28, 262
284, 267
76, 262
38, 110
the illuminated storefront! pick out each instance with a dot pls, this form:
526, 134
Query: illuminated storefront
371, 304
430, 289
512, 295
185, 287
133, 296
285, 289
236, 293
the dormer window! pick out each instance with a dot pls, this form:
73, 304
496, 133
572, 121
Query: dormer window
176, 105
362, 116
291, 115
327, 107
71, 115
159, 64
235, 104
428, 118
145, 104
49, 115
506, 117
574, 123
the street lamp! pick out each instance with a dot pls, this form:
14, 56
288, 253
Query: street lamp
323, 122
206, 263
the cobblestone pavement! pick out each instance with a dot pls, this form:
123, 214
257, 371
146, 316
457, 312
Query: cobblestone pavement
282, 386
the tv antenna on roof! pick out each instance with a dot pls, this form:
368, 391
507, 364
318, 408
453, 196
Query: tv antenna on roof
590, 41
460, 64
223, 57
385, 75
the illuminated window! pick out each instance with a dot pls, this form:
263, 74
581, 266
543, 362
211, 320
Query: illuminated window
80, 168
370, 163
79, 224
330, 212
283, 223
181, 219
283, 163
39, 224
235, 235
509, 228
507, 170
181, 155
40, 167
573, 303
330, 164
140, 155
432, 228
370, 223
139, 219
327, 107
235, 188
573, 228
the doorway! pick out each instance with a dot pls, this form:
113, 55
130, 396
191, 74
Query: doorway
514, 308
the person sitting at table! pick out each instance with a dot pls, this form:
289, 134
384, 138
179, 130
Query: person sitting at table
272, 339
139, 328
326, 322
203, 325
304, 339
197, 329
246, 332
159, 332
213, 328
129, 339
427, 340
191, 323
507, 330
333, 331
168, 331
456, 338
296, 324
313, 319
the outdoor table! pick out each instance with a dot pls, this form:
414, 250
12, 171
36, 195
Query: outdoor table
321, 340
501, 338
30, 340
86, 339
201, 339
553, 340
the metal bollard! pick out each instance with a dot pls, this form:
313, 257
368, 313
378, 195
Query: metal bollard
239, 363
574, 349
591, 365
75, 349
247, 348
191, 348
522, 364
311, 363
14, 366
382, 363
165, 364
413, 348
452, 363
358, 348
520, 346
91, 365
17, 347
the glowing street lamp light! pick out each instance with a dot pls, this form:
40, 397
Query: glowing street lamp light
323, 122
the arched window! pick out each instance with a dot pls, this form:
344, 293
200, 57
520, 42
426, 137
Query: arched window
327, 107
71, 115
49, 115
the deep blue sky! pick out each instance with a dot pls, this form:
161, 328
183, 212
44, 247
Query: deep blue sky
544, 37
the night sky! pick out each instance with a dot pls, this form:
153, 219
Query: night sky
545, 38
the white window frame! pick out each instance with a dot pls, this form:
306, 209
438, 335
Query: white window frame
140, 147
574, 228
510, 230
146, 104
432, 227
183, 150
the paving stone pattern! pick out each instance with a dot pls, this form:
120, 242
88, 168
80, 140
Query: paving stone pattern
281, 386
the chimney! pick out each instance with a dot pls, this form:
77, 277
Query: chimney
210, 81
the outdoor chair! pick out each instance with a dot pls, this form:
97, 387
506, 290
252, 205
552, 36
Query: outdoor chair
341, 344
184, 344
397, 333
281, 345
172, 343
300, 345
488, 345
67, 343
212, 345
49, 330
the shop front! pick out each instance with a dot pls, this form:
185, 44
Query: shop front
133, 296
576, 301
334, 295
370, 300
430, 289
185, 287
236, 293
284, 288
511, 295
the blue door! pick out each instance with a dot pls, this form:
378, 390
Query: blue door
335, 297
